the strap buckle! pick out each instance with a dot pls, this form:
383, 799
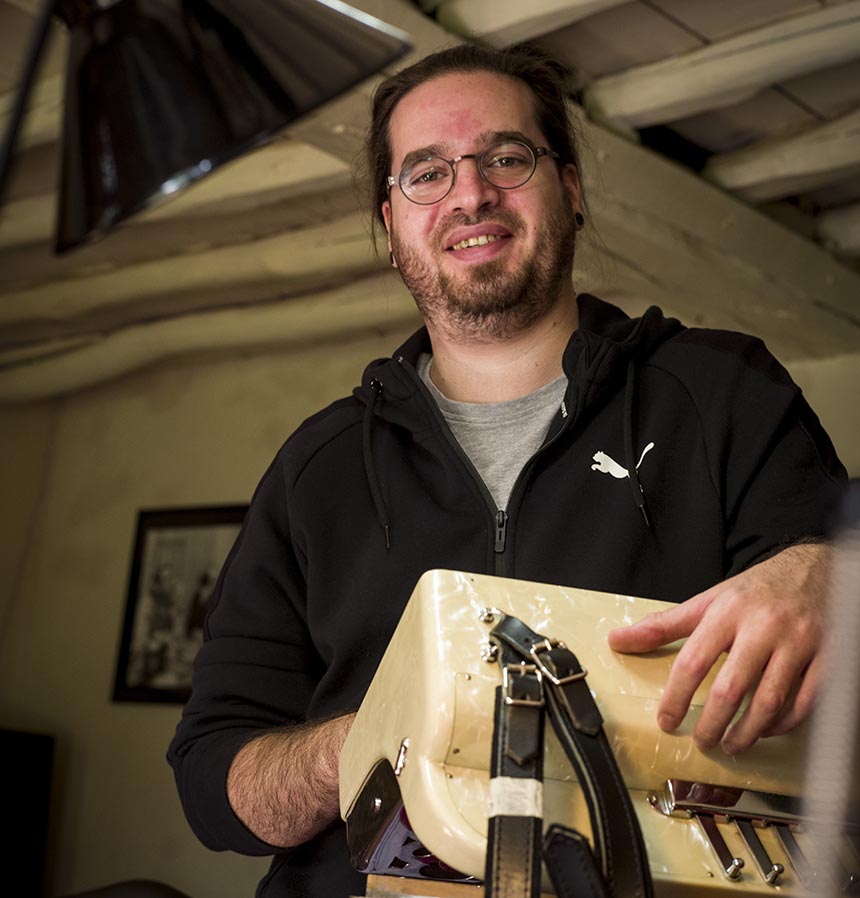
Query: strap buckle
521, 670
547, 645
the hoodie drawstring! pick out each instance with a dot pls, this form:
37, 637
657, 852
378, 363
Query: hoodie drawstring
629, 441
367, 423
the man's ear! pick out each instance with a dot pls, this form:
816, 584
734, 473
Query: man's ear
386, 217
571, 184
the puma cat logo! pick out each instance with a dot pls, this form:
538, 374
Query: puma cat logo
607, 465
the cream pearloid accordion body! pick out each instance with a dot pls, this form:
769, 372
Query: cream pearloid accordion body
434, 689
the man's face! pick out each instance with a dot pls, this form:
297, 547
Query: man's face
498, 287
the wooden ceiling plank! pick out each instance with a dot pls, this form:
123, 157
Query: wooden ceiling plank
504, 22
31, 7
727, 71
612, 41
781, 167
42, 120
829, 91
724, 130
719, 19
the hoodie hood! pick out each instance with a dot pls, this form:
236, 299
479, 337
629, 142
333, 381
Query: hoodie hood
596, 355
606, 348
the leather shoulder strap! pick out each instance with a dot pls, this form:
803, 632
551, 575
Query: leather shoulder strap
619, 849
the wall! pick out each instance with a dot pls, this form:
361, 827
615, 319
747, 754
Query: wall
184, 435
24, 454
832, 387
76, 472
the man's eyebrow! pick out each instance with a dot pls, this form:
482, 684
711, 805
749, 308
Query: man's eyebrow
413, 156
485, 138
488, 138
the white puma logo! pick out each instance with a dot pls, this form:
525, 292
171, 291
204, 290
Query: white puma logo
607, 465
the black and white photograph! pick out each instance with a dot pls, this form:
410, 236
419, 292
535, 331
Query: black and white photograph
178, 554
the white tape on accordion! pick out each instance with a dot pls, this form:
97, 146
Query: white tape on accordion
512, 797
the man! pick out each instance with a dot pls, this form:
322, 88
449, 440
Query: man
526, 432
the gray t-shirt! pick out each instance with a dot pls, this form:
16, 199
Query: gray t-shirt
498, 437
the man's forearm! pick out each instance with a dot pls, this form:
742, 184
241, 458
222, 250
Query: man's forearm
283, 785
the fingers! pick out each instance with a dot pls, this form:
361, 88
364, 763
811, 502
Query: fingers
800, 707
660, 627
691, 666
782, 698
775, 686
769, 622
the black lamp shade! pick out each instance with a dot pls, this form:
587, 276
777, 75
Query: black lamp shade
161, 92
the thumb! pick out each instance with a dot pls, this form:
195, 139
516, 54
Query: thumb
659, 627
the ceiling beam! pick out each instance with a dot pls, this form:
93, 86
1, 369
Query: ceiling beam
712, 259
840, 229
379, 303
310, 204
315, 257
772, 169
275, 171
504, 22
728, 71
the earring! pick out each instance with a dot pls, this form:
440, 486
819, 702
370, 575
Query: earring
579, 218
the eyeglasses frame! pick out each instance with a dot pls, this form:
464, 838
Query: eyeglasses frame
537, 152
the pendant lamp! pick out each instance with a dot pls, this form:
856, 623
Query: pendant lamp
161, 92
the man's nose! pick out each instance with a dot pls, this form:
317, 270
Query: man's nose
471, 191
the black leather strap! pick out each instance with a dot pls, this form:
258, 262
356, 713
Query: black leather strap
619, 849
513, 866
571, 864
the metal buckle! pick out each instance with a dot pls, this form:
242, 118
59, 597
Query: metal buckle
548, 645
520, 670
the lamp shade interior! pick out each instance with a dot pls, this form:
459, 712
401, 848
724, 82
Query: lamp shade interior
161, 92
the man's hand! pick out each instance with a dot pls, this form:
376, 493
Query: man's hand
283, 785
770, 621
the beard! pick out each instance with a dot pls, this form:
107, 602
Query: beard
487, 300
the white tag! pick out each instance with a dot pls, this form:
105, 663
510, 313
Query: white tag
511, 797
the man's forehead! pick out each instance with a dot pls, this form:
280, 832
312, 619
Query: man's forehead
442, 113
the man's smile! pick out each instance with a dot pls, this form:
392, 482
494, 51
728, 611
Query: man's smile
480, 240
476, 242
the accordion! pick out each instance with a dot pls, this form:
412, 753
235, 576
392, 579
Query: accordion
414, 778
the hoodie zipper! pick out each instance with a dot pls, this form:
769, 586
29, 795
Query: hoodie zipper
503, 517
499, 516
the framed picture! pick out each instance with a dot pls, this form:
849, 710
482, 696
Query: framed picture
178, 554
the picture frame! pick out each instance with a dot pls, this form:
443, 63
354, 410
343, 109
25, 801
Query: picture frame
177, 556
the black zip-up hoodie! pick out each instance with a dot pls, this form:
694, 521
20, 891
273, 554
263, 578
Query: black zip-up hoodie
374, 490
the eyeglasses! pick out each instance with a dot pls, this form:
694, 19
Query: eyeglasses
506, 165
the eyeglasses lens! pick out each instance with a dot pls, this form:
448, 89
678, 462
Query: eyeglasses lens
506, 165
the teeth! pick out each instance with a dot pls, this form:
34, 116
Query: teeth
481, 240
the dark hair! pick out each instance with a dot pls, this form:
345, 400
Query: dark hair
547, 79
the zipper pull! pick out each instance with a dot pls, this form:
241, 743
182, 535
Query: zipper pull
501, 530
